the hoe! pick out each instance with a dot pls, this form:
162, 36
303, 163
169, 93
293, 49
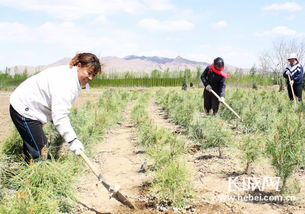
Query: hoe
216, 95
113, 190
292, 91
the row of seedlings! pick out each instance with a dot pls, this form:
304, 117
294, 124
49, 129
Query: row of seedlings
185, 109
273, 128
171, 184
49, 186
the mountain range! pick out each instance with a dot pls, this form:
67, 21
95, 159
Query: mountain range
131, 63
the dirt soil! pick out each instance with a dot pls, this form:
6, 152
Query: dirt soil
85, 97
120, 160
5, 121
212, 176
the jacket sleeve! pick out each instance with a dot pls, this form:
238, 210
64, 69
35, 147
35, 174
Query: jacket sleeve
61, 105
204, 75
223, 87
297, 75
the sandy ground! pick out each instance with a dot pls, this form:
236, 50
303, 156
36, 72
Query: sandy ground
162, 120
5, 121
120, 159
85, 97
212, 176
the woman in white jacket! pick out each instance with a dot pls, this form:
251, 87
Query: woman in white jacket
48, 97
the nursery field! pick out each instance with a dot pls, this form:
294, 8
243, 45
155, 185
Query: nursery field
166, 154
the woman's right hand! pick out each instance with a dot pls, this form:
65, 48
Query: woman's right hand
208, 88
76, 146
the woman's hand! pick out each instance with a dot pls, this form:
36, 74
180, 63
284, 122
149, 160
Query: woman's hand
76, 146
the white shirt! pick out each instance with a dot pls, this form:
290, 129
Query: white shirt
48, 96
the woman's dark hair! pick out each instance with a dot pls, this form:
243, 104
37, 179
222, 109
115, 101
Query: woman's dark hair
87, 60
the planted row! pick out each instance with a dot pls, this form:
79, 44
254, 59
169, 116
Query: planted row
185, 109
171, 174
271, 127
49, 186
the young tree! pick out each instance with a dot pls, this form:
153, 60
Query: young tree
253, 70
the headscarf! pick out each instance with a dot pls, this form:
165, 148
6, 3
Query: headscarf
221, 72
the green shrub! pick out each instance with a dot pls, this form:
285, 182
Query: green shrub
287, 148
251, 149
42, 187
172, 184
13, 146
211, 132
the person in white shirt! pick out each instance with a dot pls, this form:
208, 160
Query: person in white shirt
48, 97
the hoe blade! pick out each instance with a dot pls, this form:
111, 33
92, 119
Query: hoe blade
115, 194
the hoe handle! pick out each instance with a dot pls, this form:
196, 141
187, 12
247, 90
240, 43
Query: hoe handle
94, 170
117, 194
216, 95
89, 163
291, 87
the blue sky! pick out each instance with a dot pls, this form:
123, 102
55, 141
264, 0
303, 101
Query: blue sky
38, 32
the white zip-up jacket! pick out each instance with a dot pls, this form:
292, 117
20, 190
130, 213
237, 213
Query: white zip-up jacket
48, 96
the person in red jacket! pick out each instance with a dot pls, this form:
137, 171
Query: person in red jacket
214, 78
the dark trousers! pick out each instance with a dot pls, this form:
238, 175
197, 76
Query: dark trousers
297, 91
210, 102
31, 133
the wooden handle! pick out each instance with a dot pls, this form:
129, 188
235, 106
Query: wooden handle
295, 101
117, 195
89, 163
216, 95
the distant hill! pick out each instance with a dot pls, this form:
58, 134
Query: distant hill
129, 63
163, 60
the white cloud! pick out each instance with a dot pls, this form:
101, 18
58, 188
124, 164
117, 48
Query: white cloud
71, 36
291, 17
63, 39
173, 39
66, 35
279, 31
203, 46
288, 6
75, 9
237, 57
158, 4
220, 24
102, 19
15, 32
231, 55
156, 25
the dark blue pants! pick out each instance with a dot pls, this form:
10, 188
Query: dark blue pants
297, 91
31, 133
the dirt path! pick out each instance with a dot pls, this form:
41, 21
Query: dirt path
212, 175
5, 122
118, 159
85, 97
162, 119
